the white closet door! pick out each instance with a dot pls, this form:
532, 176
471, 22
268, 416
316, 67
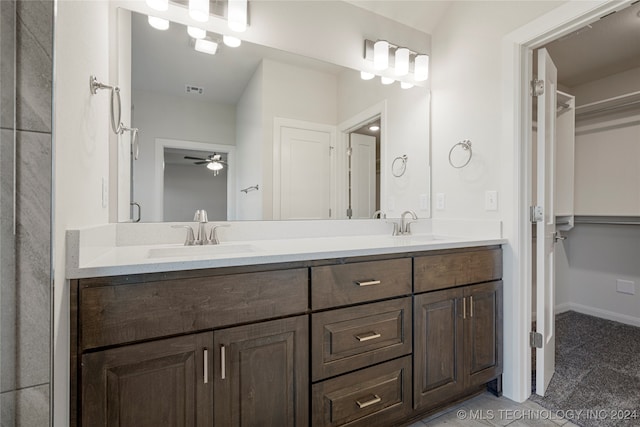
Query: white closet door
363, 175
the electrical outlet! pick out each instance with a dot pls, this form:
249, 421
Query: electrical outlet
626, 287
440, 201
424, 202
105, 192
491, 200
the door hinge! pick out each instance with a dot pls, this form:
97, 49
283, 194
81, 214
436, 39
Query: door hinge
535, 214
349, 212
537, 87
535, 339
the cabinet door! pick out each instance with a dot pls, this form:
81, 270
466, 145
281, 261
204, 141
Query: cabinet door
262, 374
438, 361
151, 384
483, 332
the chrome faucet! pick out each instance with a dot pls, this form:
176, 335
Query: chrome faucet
201, 217
405, 226
379, 214
213, 237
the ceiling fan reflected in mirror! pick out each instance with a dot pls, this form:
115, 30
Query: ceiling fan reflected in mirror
213, 162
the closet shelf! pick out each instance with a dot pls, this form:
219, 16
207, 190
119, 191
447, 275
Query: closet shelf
607, 220
609, 104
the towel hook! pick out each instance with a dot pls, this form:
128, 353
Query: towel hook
466, 146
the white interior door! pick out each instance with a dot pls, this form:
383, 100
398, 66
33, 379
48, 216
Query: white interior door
545, 320
363, 175
305, 173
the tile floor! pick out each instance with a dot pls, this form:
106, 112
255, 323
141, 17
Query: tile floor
488, 410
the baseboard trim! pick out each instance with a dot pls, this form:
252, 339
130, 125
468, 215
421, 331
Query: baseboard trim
598, 312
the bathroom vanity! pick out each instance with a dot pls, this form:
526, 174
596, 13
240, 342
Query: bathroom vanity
376, 340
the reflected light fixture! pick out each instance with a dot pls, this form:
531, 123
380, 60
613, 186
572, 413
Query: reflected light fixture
402, 61
215, 166
158, 23
237, 15
386, 80
196, 33
381, 55
405, 85
160, 5
231, 41
366, 76
206, 46
421, 68
199, 10
374, 128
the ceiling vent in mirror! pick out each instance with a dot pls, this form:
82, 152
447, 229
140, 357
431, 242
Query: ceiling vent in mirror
194, 89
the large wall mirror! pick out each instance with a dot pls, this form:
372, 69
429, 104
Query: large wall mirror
255, 133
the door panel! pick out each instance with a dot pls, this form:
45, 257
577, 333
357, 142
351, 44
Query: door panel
263, 377
156, 383
363, 175
545, 229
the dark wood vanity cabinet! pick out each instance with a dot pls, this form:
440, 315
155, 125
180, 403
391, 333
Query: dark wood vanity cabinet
363, 341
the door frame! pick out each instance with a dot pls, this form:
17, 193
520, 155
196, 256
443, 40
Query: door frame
344, 129
517, 59
278, 124
158, 166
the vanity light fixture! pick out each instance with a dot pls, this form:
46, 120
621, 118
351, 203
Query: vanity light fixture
386, 80
231, 41
206, 46
402, 61
237, 15
381, 55
406, 85
158, 23
421, 68
160, 5
199, 10
366, 76
196, 33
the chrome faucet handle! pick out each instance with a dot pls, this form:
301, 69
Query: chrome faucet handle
407, 227
190, 239
213, 236
200, 216
395, 228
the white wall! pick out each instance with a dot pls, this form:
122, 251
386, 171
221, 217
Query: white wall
407, 132
173, 117
607, 87
81, 155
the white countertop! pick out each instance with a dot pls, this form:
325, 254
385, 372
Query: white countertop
106, 258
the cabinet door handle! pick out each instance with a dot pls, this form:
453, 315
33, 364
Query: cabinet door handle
368, 336
373, 401
205, 371
367, 282
223, 362
471, 306
464, 307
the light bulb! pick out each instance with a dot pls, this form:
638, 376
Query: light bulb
196, 33
402, 61
214, 166
199, 10
160, 5
206, 46
405, 85
237, 15
158, 23
366, 76
374, 128
381, 55
421, 68
386, 80
231, 41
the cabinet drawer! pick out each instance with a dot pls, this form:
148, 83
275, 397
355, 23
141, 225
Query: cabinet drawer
351, 338
432, 272
336, 285
376, 396
132, 312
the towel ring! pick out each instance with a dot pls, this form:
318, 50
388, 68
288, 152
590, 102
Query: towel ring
466, 146
398, 171
95, 85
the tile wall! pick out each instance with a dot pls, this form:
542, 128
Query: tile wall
26, 47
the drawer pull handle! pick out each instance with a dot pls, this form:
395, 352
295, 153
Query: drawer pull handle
362, 405
205, 373
471, 306
368, 336
367, 282
223, 362
464, 308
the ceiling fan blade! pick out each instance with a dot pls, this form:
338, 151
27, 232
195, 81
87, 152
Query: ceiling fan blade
201, 163
194, 158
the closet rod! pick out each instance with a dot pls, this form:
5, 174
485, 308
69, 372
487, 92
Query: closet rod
608, 104
611, 220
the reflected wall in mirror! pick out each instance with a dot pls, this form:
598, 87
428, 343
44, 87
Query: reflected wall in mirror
290, 122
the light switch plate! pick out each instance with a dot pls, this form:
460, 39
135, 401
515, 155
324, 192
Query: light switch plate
440, 201
491, 200
424, 202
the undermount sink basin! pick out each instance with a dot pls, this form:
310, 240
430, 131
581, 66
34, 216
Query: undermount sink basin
200, 251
